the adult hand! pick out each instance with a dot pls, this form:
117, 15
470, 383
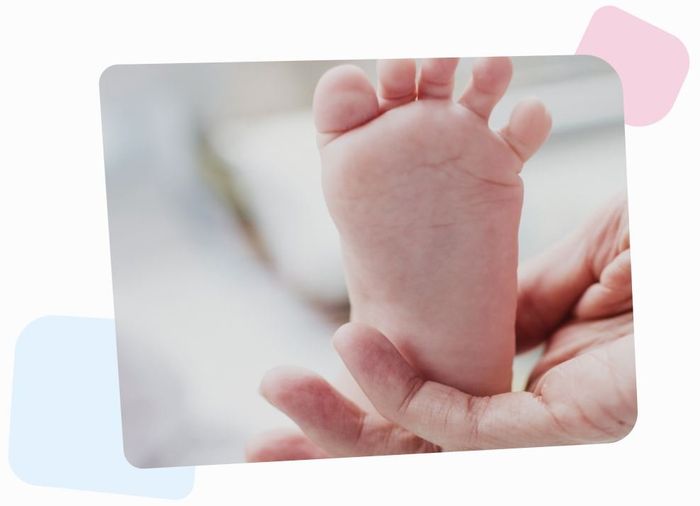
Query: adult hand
577, 298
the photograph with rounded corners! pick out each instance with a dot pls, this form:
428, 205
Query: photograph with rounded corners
321, 259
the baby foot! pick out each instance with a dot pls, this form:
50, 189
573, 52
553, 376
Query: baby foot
427, 201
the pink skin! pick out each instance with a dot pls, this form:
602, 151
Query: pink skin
577, 297
427, 201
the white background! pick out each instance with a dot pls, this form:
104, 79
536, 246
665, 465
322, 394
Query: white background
54, 254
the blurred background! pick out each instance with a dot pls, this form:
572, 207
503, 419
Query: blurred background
225, 262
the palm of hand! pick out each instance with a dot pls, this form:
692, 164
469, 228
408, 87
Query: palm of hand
584, 378
585, 375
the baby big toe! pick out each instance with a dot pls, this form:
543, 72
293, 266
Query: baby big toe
344, 99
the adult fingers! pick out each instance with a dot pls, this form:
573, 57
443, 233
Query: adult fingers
437, 413
284, 445
331, 421
550, 285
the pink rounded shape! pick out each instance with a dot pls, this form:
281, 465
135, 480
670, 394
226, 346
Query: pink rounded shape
652, 64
